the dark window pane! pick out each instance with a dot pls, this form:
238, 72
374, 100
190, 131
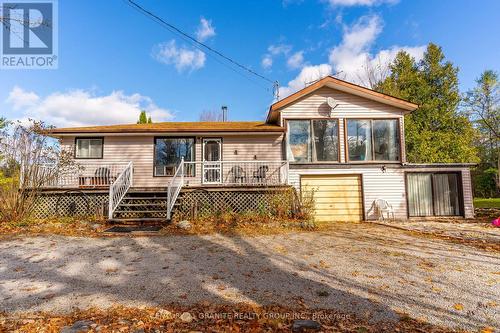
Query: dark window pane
386, 140
299, 140
169, 153
212, 151
326, 140
359, 137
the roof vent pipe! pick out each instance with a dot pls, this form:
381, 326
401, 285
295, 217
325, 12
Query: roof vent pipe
224, 113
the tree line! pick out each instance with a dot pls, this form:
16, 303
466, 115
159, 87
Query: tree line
449, 126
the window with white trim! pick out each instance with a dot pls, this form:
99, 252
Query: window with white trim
89, 147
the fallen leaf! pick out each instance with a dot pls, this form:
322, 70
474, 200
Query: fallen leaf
487, 330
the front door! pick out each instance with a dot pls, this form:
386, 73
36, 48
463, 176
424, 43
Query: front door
212, 157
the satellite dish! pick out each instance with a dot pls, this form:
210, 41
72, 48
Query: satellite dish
332, 103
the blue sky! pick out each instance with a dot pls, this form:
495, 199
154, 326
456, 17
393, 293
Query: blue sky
114, 61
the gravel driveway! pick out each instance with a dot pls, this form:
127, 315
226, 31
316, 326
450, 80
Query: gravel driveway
371, 270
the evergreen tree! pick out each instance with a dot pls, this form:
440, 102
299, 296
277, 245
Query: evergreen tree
436, 131
144, 119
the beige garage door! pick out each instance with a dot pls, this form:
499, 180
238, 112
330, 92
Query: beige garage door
336, 198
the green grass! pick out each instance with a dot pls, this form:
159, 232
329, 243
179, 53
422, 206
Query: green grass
487, 202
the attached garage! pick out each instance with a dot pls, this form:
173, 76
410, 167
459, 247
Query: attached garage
336, 197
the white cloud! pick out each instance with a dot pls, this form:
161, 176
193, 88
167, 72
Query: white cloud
296, 60
368, 3
307, 75
82, 108
20, 98
273, 51
267, 61
353, 55
356, 40
279, 49
182, 58
205, 30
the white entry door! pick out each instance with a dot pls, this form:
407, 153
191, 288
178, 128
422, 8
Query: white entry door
212, 161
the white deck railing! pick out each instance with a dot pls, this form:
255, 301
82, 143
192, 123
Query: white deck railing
225, 173
119, 188
234, 173
174, 187
85, 175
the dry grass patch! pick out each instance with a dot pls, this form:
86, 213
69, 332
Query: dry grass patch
242, 224
65, 226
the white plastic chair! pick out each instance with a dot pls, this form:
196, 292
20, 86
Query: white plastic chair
383, 207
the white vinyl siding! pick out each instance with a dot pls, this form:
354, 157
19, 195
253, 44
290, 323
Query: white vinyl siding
314, 106
388, 185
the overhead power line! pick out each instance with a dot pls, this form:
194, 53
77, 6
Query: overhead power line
200, 45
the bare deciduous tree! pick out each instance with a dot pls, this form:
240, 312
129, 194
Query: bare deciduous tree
373, 72
482, 105
210, 115
30, 160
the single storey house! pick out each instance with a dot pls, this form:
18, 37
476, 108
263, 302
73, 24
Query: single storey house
342, 142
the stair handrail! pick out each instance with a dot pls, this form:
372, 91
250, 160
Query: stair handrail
119, 188
174, 188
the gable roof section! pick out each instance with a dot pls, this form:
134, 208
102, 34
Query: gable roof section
341, 85
172, 127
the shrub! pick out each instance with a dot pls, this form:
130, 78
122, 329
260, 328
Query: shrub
485, 183
306, 212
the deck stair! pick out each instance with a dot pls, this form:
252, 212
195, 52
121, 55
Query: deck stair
142, 207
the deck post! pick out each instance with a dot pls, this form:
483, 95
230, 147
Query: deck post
110, 203
168, 200
287, 172
182, 171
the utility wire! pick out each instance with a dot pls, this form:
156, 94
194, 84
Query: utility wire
212, 56
199, 44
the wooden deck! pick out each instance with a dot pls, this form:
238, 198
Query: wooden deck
212, 187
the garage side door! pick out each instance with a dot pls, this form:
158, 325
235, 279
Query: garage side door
336, 198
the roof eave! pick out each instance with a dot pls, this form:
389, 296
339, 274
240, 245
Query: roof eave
158, 132
345, 86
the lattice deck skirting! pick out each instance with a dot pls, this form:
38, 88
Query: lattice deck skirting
192, 202
199, 202
71, 203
